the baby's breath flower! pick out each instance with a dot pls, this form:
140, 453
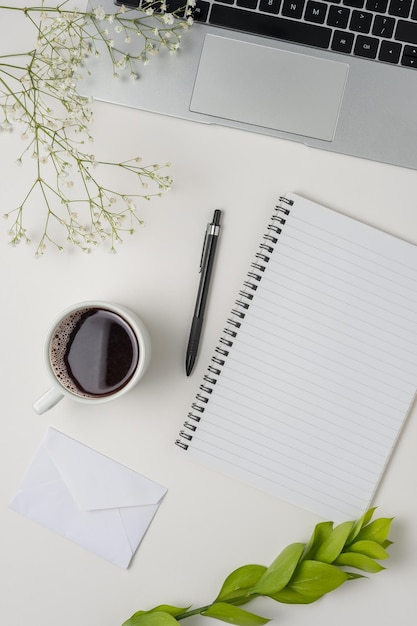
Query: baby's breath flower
99, 13
168, 18
41, 95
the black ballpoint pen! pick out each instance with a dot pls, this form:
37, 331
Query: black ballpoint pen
206, 267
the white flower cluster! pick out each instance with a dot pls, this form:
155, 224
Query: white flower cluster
155, 26
39, 92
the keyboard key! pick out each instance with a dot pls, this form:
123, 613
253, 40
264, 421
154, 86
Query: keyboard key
383, 26
201, 10
293, 8
390, 51
399, 8
270, 6
342, 41
174, 5
366, 47
357, 4
378, 6
361, 21
131, 4
155, 5
315, 12
409, 58
338, 17
271, 26
406, 31
247, 4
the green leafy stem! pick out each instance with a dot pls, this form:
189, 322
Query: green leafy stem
301, 574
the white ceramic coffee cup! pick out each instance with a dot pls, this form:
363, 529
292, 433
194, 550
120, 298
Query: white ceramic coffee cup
58, 391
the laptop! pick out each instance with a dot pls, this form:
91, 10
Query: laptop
338, 75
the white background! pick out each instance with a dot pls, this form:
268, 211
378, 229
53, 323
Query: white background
207, 525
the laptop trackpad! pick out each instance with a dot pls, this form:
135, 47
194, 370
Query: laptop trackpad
276, 89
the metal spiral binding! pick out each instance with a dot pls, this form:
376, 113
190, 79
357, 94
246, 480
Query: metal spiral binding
234, 322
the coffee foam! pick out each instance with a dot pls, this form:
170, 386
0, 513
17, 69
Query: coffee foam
58, 347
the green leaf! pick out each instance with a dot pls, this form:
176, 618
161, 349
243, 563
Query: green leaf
240, 582
362, 521
234, 615
332, 546
320, 534
281, 570
355, 575
369, 548
151, 618
376, 531
172, 610
359, 561
291, 596
311, 581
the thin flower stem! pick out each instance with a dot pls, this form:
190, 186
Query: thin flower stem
39, 92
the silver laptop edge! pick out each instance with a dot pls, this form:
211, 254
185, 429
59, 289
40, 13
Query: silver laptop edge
323, 99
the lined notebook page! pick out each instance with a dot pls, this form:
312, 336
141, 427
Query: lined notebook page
319, 377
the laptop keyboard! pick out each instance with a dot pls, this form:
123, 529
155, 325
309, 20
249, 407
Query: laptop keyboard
382, 30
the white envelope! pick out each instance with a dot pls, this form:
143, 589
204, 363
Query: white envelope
88, 498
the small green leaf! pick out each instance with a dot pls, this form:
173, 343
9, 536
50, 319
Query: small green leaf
369, 548
362, 521
315, 579
240, 582
355, 575
281, 570
311, 581
359, 561
172, 610
320, 534
234, 615
332, 546
376, 531
291, 596
151, 618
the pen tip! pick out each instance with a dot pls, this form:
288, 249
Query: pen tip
189, 364
216, 217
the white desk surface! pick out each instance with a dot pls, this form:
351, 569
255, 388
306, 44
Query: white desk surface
207, 525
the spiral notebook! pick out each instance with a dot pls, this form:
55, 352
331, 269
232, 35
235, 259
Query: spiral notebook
316, 370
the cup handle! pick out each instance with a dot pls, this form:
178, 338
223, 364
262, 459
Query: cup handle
49, 399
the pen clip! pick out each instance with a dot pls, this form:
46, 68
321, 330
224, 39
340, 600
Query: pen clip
203, 253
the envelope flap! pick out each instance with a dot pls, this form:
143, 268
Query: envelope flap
95, 480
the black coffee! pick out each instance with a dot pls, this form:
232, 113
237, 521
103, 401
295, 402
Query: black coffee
94, 352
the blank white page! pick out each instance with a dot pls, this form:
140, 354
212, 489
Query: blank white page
316, 371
